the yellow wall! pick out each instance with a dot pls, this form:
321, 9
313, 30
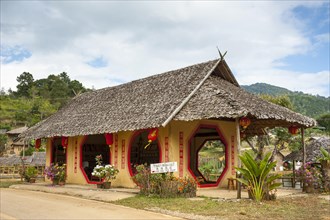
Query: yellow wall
171, 131
226, 128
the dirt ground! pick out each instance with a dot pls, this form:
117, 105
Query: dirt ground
23, 204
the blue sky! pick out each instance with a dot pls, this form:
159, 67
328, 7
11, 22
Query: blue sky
316, 22
105, 43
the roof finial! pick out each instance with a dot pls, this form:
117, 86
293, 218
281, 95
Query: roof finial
221, 56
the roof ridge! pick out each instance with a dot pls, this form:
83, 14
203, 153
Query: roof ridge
176, 111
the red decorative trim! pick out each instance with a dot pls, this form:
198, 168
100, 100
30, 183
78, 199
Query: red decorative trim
226, 155
81, 165
116, 151
51, 150
123, 154
181, 154
130, 149
76, 156
166, 150
232, 153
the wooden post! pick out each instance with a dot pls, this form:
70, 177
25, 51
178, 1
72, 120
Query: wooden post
23, 148
238, 141
304, 152
294, 174
303, 146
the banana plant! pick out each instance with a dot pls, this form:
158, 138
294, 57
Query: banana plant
325, 155
257, 176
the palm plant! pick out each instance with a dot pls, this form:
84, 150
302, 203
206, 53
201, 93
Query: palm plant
257, 176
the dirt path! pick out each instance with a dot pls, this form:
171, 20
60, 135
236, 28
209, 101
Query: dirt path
18, 204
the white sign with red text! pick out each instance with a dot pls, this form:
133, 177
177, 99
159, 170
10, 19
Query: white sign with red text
168, 167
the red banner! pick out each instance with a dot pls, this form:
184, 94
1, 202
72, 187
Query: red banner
116, 151
166, 150
123, 154
181, 154
38, 144
232, 153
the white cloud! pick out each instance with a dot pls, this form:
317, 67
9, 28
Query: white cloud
137, 39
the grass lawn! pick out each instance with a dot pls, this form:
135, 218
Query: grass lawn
7, 183
298, 207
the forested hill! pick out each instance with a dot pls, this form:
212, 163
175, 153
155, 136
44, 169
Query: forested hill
36, 100
309, 105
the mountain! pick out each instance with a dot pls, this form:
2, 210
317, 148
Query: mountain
303, 103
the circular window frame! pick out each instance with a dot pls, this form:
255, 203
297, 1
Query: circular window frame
135, 134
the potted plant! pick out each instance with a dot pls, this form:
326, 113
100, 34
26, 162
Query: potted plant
56, 174
104, 173
61, 175
31, 174
110, 174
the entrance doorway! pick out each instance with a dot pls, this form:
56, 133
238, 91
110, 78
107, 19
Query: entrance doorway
58, 153
94, 145
208, 157
139, 154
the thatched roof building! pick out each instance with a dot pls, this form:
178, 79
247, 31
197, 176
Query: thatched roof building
36, 159
202, 91
17, 131
312, 150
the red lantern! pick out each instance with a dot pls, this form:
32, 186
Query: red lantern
65, 141
293, 130
152, 136
109, 138
244, 122
38, 144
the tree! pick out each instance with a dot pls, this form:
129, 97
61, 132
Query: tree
76, 88
324, 121
65, 78
3, 141
59, 92
42, 86
25, 82
282, 100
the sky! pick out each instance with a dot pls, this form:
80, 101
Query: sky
106, 43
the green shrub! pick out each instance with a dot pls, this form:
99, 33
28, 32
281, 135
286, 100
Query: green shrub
31, 172
164, 185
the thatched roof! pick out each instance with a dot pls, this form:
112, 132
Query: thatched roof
202, 91
17, 130
312, 150
36, 159
222, 99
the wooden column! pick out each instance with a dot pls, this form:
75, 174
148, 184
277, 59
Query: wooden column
24, 148
303, 145
238, 141
294, 174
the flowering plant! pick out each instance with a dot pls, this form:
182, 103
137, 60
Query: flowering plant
309, 173
163, 184
104, 173
56, 172
187, 185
